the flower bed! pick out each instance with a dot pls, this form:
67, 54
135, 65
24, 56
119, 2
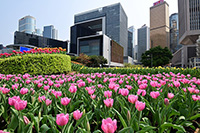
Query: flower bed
99, 102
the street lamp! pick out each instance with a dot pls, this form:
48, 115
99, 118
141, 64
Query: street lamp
198, 47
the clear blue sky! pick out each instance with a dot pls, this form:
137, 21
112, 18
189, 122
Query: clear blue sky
60, 13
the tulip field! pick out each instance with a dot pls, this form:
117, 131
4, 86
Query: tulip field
99, 103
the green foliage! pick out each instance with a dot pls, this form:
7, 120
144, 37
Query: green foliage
90, 61
36, 64
156, 56
96, 61
84, 59
131, 65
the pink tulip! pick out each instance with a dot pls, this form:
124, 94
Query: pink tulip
5, 90
109, 126
20, 105
108, 94
139, 105
81, 84
91, 91
112, 85
57, 85
23, 91
132, 98
46, 87
108, 102
191, 90
124, 92
143, 86
65, 101
50, 83
170, 95
48, 102
39, 85
153, 83
28, 81
41, 98
155, 94
1, 131
77, 114
177, 84
129, 87
11, 101
73, 89
166, 101
141, 91
121, 81
195, 98
62, 119
93, 96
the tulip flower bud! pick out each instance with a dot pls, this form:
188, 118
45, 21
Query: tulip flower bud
26, 120
88, 126
128, 115
166, 101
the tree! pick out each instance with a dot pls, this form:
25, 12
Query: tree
156, 56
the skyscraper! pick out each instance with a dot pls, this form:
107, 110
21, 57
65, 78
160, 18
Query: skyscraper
143, 41
189, 21
109, 20
27, 24
174, 33
131, 41
50, 32
159, 24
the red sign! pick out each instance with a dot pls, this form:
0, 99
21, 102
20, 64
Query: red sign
158, 2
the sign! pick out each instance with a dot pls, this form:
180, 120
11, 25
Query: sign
158, 2
24, 49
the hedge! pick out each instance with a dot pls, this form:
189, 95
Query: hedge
36, 64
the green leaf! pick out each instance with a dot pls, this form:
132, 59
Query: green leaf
121, 118
195, 117
146, 129
97, 131
125, 130
168, 125
14, 123
44, 128
181, 118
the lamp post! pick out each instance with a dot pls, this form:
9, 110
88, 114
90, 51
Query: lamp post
198, 47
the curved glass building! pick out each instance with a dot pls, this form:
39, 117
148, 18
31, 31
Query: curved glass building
27, 24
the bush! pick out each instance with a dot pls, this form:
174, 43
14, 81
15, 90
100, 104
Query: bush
96, 61
36, 64
132, 66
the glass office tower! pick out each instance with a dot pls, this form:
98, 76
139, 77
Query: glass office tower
50, 32
27, 24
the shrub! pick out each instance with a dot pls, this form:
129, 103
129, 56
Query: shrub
96, 61
36, 64
132, 66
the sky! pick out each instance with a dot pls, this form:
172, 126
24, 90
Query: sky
60, 13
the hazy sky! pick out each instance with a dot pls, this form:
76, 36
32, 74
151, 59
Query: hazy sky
60, 13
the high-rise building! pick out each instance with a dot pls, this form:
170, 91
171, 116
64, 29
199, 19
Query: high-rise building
131, 41
159, 24
174, 33
143, 41
27, 24
189, 21
50, 32
109, 20
38, 32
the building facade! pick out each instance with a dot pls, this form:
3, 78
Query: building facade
50, 32
174, 33
131, 41
143, 41
159, 24
189, 21
27, 24
109, 20
38, 41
